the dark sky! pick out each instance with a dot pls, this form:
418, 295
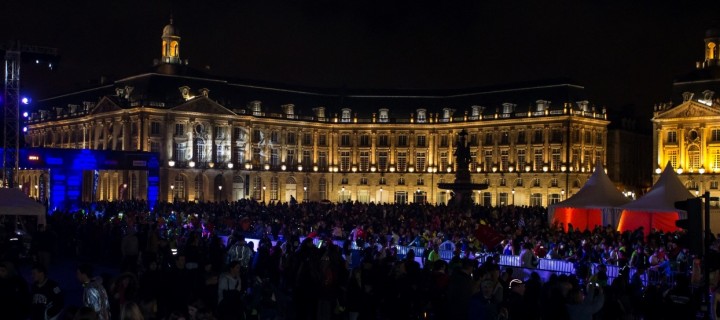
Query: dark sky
625, 53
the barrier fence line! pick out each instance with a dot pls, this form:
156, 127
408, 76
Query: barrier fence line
549, 265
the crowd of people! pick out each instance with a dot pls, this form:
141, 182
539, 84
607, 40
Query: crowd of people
188, 260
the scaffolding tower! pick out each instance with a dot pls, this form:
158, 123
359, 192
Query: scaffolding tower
11, 102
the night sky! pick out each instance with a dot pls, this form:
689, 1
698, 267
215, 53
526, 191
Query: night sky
625, 54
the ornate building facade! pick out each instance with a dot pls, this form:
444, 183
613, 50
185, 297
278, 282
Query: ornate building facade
687, 129
224, 139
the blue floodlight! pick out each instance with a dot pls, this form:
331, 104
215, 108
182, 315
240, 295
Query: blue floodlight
24, 129
25, 114
25, 100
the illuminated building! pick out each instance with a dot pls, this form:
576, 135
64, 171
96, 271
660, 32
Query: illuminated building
687, 130
224, 139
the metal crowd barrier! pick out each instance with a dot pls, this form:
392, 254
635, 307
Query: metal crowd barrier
547, 265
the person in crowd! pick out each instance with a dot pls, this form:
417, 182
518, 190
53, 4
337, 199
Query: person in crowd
131, 311
47, 298
527, 257
230, 292
94, 295
14, 295
583, 305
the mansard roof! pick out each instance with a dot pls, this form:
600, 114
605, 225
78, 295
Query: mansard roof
162, 88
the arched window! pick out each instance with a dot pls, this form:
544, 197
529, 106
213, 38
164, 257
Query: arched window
322, 188
346, 117
238, 187
693, 157
179, 190
200, 154
274, 188
257, 188
199, 188
711, 50
174, 49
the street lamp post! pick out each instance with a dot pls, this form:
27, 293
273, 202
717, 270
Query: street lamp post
172, 192
263, 195
562, 194
381, 198
219, 193
304, 194
513, 196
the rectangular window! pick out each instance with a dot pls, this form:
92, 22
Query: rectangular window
487, 199
443, 160
383, 141
420, 161
322, 159
538, 159
402, 161
345, 140
598, 138
180, 151
290, 158
307, 158
521, 137
257, 136
291, 138
521, 159
538, 137
155, 128
715, 135
536, 182
364, 140
488, 160
345, 161
401, 197
716, 160
556, 136
240, 154
473, 161
554, 183
488, 139
402, 140
599, 157
274, 158
713, 185
179, 129
322, 140
364, 161
575, 157
588, 137
504, 159
503, 198
256, 156
672, 137
154, 146
473, 141
555, 159
586, 159
307, 139
274, 137
504, 138
554, 198
444, 141
237, 133
382, 160
420, 141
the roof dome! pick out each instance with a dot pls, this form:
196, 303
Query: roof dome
170, 30
712, 33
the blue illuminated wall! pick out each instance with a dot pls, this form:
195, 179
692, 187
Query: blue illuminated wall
66, 167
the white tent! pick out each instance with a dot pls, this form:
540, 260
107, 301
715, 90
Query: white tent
15, 203
656, 209
595, 204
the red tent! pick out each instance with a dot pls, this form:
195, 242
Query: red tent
595, 204
656, 209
